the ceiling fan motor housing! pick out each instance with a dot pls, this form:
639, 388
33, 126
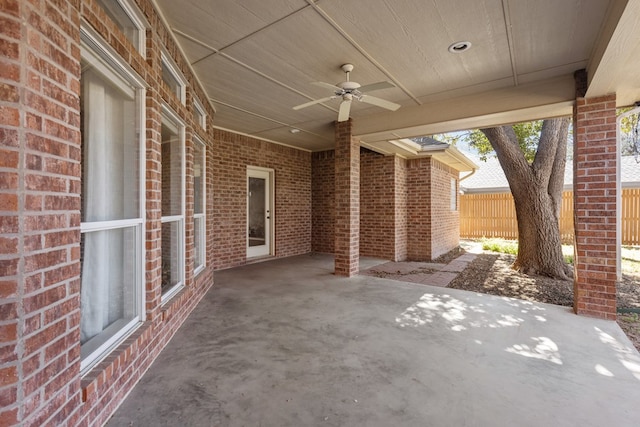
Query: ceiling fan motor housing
349, 86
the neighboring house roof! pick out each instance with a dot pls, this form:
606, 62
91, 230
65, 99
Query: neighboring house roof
490, 178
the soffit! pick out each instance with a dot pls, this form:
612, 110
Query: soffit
256, 59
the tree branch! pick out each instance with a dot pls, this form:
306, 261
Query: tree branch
548, 148
504, 141
556, 178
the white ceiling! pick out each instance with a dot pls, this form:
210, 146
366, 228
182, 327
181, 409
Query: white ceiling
256, 58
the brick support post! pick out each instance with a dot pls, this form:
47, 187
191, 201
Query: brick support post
595, 189
419, 216
347, 201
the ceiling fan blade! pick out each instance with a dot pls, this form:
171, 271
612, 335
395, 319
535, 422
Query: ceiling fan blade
327, 86
380, 102
343, 114
376, 86
310, 103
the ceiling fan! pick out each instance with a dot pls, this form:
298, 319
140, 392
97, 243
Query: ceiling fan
349, 91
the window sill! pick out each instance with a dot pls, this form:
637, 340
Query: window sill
116, 364
174, 302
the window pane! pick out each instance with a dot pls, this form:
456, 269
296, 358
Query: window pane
107, 294
198, 117
171, 80
199, 202
198, 227
198, 113
171, 255
171, 170
198, 178
115, 11
110, 147
454, 194
257, 211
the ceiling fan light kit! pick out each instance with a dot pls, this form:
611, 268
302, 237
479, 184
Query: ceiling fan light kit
350, 90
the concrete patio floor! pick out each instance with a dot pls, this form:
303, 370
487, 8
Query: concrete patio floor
287, 343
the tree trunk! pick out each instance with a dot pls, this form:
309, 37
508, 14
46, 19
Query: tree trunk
539, 243
537, 194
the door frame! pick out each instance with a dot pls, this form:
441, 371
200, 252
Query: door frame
267, 249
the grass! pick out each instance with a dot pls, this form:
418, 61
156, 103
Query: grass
631, 259
500, 245
630, 254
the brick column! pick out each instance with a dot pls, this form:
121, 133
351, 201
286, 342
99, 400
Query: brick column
594, 202
347, 201
39, 213
419, 221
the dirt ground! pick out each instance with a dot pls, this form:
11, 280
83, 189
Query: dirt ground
491, 273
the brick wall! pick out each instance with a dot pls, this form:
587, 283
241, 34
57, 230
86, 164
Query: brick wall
399, 218
40, 215
433, 229
377, 205
232, 154
595, 194
323, 200
39, 212
445, 225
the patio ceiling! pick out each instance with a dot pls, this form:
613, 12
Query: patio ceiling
256, 58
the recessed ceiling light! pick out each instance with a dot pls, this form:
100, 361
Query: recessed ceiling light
459, 47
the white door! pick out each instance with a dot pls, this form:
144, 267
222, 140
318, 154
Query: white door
259, 212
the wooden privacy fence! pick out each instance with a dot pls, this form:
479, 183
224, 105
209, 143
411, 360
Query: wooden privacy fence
494, 215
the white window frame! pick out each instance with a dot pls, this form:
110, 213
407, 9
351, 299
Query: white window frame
454, 195
168, 114
171, 66
199, 109
201, 216
100, 54
138, 20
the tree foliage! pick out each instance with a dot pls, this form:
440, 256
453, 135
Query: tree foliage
527, 133
630, 134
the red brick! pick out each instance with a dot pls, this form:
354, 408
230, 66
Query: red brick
8, 376
9, 267
47, 145
8, 417
44, 299
36, 342
8, 289
44, 260
8, 93
9, 50
9, 158
45, 183
31, 365
8, 202
8, 332
45, 222
8, 396
32, 324
8, 245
